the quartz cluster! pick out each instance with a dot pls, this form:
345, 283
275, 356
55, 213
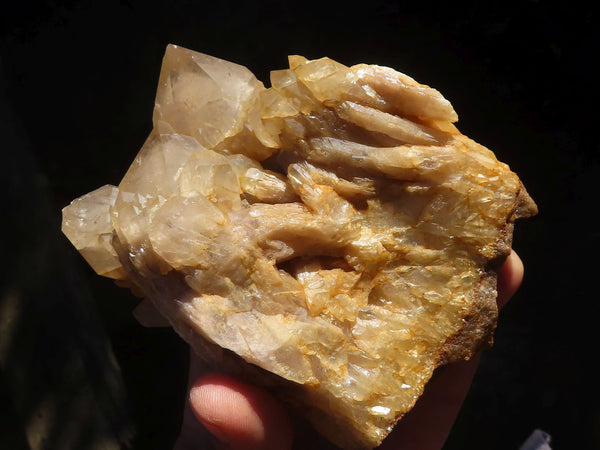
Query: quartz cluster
333, 237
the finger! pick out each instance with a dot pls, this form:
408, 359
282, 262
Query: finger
239, 415
193, 435
510, 277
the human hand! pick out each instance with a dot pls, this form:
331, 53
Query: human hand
226, 413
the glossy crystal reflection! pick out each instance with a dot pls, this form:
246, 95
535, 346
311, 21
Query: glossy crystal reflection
333, 237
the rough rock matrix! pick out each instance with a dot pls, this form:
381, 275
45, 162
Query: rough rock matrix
335, 230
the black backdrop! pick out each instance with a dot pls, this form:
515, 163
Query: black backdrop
77, 90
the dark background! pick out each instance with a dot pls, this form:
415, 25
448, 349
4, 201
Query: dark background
77, 85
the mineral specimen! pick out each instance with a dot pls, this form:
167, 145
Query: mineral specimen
333, 237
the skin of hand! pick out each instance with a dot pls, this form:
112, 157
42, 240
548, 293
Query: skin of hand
226, 413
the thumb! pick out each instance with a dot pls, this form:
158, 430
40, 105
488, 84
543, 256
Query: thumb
239, 415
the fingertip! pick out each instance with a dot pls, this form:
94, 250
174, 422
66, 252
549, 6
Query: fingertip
510, 277
240, 415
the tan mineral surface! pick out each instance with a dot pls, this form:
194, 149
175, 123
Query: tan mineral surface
333, 237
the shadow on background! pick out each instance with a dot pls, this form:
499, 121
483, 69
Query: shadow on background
61, 385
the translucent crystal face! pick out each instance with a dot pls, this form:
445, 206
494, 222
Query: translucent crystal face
335, 229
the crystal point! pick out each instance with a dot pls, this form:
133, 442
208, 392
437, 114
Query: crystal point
334, 233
